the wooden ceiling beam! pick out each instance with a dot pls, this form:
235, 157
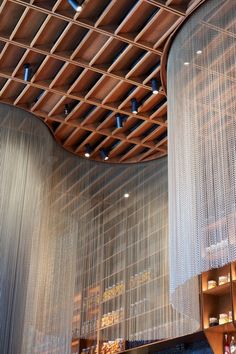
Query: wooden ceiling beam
90, 26
172, 9
95, 63
77, 97
77, 63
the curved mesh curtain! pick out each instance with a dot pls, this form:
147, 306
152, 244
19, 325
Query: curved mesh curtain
202, 131
76, 257
38, 241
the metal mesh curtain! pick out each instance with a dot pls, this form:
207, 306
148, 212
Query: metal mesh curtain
202, 131
37, 241
124, 258
76, 257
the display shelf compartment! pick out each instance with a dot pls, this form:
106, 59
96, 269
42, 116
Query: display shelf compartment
219, 290
112, 298
215, 305
218, 300
223, 328
111, 325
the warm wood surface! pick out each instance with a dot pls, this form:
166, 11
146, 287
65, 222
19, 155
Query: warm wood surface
95, 62
220, 299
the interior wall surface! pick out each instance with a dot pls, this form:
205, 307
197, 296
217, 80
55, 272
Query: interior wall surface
201, 134
67, 233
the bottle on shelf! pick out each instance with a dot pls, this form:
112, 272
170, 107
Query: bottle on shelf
232, 346
226, 344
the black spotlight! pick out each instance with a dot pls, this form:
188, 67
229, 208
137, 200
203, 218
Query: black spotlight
134, 106
104, 154
119, 121
77, 6
26, 72
66, 109
88, 150
155, 89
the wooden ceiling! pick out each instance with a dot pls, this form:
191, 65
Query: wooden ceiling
86, 67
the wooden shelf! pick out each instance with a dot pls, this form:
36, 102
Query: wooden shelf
224, 328
112, 298
219, 290
112, 325
215, 301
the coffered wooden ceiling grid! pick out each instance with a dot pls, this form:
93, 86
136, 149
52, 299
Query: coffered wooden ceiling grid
93, 63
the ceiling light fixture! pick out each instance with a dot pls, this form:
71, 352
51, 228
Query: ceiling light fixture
75, 5
88, 150
104, 154
199, 52
66, 109
119, 121
154, 86
134, 106
126, 195
26, 72
186, 63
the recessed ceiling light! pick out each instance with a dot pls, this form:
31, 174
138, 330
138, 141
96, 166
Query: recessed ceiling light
126, 195
88, 150
186, 63
199, 52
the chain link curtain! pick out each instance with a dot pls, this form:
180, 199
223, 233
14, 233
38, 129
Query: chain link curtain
75, 254
202, 134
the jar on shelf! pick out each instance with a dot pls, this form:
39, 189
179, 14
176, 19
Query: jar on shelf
223, 279
223, 318
211, 284
213, 321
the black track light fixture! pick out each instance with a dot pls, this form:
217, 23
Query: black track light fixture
154, 83
26, 72
88, 150
76, 5
66, 109
120, 121
104, 154
134, 106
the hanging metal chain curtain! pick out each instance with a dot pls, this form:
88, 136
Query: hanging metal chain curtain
202, 131
37, 242
75, 255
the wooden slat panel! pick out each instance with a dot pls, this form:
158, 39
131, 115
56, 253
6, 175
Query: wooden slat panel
94, 63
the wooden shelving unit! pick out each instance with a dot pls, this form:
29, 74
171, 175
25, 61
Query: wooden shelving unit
217, 300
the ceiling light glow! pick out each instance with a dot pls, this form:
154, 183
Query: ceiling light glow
75, 5
154, 86
88, 150
134, 106
104, 154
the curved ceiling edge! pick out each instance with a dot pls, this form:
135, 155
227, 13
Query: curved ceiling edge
170, 40
87, 72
